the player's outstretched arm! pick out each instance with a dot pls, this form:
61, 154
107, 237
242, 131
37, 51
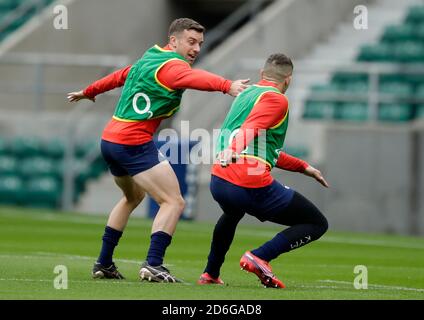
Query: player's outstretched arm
177, 74
111, 81
316, 174
79, 95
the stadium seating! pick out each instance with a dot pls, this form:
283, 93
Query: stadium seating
8, 165
403, 43
11, 190
397, 112
415, 15
319, 110
31, 170
9, 6
352, 111
42, 192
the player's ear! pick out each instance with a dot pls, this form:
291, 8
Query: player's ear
173, 41
287, 80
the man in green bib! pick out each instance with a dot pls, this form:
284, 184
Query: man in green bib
248, 147
153, 88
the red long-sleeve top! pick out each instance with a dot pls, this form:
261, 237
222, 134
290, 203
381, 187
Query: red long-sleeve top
250, 172
174, 74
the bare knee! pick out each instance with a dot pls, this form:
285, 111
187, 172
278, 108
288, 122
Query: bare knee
180, 204
177, 203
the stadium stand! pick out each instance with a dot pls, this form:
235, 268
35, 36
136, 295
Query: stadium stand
36, 168
399, 44
32, 169
14, 13
320, 91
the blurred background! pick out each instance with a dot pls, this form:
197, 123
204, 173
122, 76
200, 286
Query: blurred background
356, 99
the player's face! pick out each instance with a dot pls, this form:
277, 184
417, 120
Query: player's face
187, 44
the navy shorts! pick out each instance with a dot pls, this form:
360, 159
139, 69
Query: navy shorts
124, 160
264, 203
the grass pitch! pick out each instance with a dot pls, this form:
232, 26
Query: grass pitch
34, 242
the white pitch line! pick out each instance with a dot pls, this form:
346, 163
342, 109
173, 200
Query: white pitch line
248, 232
376, 286
138, 283
313, 287
41, 255
78, 257
71, 281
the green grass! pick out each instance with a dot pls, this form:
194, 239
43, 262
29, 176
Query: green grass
33, 242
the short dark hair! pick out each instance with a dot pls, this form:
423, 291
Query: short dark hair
278, 66
181, 24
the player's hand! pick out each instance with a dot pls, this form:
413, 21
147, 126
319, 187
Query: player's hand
238, 86
316, 174
78, 95
226, 157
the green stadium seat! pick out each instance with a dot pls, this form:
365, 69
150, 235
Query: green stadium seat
400, 89
415, 14
420, 112
325, 87
396, 112
350, 111
11, 190
420, 91
404, 32
2, 15
24, 147
54, 148
43, 192
37, 167
319, 110
375, 52
7, 5
8, 165
393, 77
84, 148
4, 147
419, 30
356, 86
409, 52
341, 77
98, 167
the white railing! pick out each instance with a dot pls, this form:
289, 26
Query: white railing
245, 12
372, 70
37, 63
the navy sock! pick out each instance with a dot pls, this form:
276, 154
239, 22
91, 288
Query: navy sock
273, 248
222, 238
110, 241
159, 241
